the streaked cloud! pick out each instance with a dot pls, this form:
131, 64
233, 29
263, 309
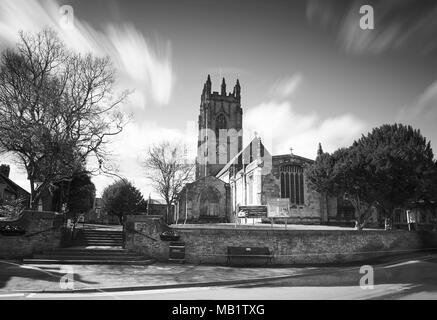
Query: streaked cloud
144, 67
424, 107
281, 127
131, 145
285, 87
399, 25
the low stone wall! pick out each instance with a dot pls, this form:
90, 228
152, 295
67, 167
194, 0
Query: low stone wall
43, 232
141, 234
290, 247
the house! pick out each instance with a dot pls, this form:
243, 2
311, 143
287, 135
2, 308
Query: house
9, 190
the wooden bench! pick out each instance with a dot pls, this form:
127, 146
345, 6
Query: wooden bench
248, 255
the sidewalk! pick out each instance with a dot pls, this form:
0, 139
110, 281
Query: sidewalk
46, 278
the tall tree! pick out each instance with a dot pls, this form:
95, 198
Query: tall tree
121, 198
352, 183
399, 165
77, 194
320, 173
340, 175
168, 168
57, 108
390, 167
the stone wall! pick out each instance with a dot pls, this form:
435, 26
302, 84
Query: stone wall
141, 234
290, 247
43, 232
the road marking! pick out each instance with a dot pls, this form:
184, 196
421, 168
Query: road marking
109, 294
10, 295
401, 264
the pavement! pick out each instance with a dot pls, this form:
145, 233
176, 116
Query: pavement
17, 278
262, 226
413, 277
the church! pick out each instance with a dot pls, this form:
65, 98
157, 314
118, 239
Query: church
229, 176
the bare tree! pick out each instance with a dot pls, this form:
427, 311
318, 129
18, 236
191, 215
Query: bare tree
169, 170
57, 108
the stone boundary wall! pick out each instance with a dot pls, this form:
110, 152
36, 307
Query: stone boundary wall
43, 232
290, 247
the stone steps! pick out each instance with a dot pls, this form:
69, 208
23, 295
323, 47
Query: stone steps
89, 261
99, 238
87, 252
80, 255
92, 247
131, 257
103, 242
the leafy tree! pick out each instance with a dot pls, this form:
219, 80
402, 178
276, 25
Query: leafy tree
391, 167
12, 209
77, 194
352, 182
319, 174
399, 165
121, 198
57, 108
340, 175
168, 169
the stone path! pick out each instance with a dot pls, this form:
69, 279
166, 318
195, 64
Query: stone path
39, 278
263, 226
15, 277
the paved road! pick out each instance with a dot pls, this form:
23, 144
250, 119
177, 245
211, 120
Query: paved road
409, 279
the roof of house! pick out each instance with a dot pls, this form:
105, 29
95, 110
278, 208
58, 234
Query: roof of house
156, 201
12, 186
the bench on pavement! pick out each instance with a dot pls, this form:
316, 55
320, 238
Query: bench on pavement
249, 255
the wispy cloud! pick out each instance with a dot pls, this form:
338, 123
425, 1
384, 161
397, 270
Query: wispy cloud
399, 25
131, 146
144, 67
282, 127
287, 86
424, 107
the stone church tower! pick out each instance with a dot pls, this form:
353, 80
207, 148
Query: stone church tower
220, 128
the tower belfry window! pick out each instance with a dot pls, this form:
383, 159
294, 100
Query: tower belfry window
221, 122
221, 139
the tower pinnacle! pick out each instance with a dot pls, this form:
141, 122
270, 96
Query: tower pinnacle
223, 93
237, 90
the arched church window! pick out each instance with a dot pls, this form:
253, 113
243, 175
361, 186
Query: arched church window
292, 184
220, 122
209, 202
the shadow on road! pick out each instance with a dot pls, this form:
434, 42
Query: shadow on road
419, 275
9, 270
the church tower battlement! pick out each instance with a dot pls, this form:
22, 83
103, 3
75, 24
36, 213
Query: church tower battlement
220, 128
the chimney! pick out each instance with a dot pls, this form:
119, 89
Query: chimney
5, 170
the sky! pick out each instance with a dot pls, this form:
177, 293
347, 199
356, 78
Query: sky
308, 72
